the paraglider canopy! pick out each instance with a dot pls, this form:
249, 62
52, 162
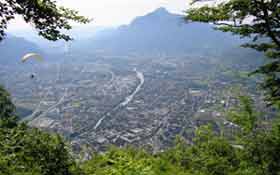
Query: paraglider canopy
31, 56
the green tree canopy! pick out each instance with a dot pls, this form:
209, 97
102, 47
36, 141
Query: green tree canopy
7, 109
47, 18
30, 151
256, 19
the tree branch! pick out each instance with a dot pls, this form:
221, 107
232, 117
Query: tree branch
271, 34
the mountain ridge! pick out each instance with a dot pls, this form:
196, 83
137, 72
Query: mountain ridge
162, 33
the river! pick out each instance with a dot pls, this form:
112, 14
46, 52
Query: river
127, 100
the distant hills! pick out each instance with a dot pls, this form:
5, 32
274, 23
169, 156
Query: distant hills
58, 47
163, 33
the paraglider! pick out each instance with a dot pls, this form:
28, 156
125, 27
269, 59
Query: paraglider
29, 56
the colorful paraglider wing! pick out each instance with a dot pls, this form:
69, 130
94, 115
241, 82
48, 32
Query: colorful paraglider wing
31, 56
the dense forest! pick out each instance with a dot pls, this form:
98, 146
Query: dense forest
252, 148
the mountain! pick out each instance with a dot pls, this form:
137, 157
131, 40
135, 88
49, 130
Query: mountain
163, 33
159, 33
13, 48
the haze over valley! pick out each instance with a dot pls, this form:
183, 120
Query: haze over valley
142, 84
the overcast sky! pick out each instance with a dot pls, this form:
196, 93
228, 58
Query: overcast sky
114, 12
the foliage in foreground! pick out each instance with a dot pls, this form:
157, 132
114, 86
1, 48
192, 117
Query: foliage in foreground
28, 151
256, 154
45, 16
7, 109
